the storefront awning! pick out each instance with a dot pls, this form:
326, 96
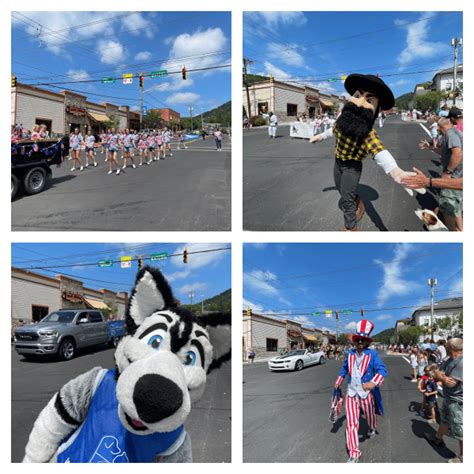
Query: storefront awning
310, 338
325, 103
98, 117
96, 304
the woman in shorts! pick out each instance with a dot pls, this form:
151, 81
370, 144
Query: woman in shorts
75, 141
128, 149
113, 145
142, 146
150, 143
90, 140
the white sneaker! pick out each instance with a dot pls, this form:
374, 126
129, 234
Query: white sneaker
87, 165
95, 163
81, 168
133, 166
171, 154
371, 433
148, 162
109, 172
118, 172
140, 164
73, 169
124, 166
106, 160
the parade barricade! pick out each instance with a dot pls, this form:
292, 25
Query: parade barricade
302, 129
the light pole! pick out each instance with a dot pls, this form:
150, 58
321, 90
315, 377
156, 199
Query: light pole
432, 282
191, 296
202, 305
455, 43
190, 108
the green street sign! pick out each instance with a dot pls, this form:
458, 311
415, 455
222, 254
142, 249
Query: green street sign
159, 256
161, 73
105, 263
108, 80
317, 313
347, 311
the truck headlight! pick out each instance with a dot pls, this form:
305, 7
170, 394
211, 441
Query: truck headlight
48, 333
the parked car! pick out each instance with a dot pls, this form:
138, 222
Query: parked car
62, 332
296, 360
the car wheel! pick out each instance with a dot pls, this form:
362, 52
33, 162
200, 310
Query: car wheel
14, 185
114, 341
35, 181
322, 360
299, 365
67, 349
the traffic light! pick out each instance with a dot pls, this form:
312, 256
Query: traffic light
140, 263
183, 73
13, 80
141, 80
362, 312
337, 315
185, 256
249, 311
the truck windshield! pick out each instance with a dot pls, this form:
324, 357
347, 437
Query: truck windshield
59, 317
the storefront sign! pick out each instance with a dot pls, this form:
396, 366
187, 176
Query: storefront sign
72, 297
73, 110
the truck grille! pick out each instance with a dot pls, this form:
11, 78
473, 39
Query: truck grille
27, 336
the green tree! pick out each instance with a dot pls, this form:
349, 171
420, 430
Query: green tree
404, 101
411, 335
152, 119
113, 122
430, 100
343, 339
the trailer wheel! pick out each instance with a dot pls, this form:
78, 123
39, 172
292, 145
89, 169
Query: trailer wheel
35, 181
14, 185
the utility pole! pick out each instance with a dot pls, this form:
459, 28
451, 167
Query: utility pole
202, 305
141, 100
246, 83
190, 108
191, 296
455, 43
432, 282
337, 326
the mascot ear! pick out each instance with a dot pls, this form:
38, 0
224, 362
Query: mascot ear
218, 326
151, 293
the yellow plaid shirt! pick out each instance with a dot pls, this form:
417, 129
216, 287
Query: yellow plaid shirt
348, 148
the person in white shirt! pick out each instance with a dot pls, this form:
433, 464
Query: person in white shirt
272, 124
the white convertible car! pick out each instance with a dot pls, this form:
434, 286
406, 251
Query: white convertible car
296, 360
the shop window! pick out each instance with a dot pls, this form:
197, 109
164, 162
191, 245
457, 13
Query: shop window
39, 312
272, 345
291, 110
262, 108
42, 121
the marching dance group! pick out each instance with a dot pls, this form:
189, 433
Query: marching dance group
151, 145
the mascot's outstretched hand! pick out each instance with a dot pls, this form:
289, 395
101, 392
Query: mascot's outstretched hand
387, 162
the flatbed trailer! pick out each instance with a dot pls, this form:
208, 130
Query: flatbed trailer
31, 163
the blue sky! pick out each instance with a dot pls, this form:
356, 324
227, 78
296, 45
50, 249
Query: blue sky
323, 45
205, 274
290, 281
61, 46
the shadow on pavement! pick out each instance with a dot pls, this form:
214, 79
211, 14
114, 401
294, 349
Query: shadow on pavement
421, 429
338, 425
37, 359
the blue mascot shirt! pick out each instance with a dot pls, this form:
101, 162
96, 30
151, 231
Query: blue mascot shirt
103, 439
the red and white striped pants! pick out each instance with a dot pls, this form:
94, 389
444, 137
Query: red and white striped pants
353, 406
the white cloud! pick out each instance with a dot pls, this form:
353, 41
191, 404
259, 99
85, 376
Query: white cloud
394, 283
110, 51
384, 317
272, 70
417, 42
350, 326
257, 245
183, 98
176, 85
140, 25
456, 288
254, 306
78, 75
192, 287
273, 19
400, 82
260, 282
143, 56
286, 53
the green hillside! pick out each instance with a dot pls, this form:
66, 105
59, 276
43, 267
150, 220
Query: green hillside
221, 114
384, 336
403, 101
220, 302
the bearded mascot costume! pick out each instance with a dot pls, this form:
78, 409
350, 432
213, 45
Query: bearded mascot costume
356, 138
136, 412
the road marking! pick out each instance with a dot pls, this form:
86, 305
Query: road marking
406, 358
425, 129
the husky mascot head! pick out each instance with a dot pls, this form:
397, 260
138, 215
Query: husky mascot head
162, 364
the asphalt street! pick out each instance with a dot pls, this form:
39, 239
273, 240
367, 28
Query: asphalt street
188, 192
289, 184
286, 418
34, 383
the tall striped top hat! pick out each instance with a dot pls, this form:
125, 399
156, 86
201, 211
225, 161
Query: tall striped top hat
364, 328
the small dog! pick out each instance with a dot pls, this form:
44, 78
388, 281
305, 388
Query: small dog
431, 220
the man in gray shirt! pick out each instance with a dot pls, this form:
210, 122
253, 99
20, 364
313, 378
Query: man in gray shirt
451, 151
451, 376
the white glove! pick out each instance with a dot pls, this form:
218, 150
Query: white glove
316, 138
398, 174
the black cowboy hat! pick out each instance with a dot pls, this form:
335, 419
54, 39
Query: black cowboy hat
373, 84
